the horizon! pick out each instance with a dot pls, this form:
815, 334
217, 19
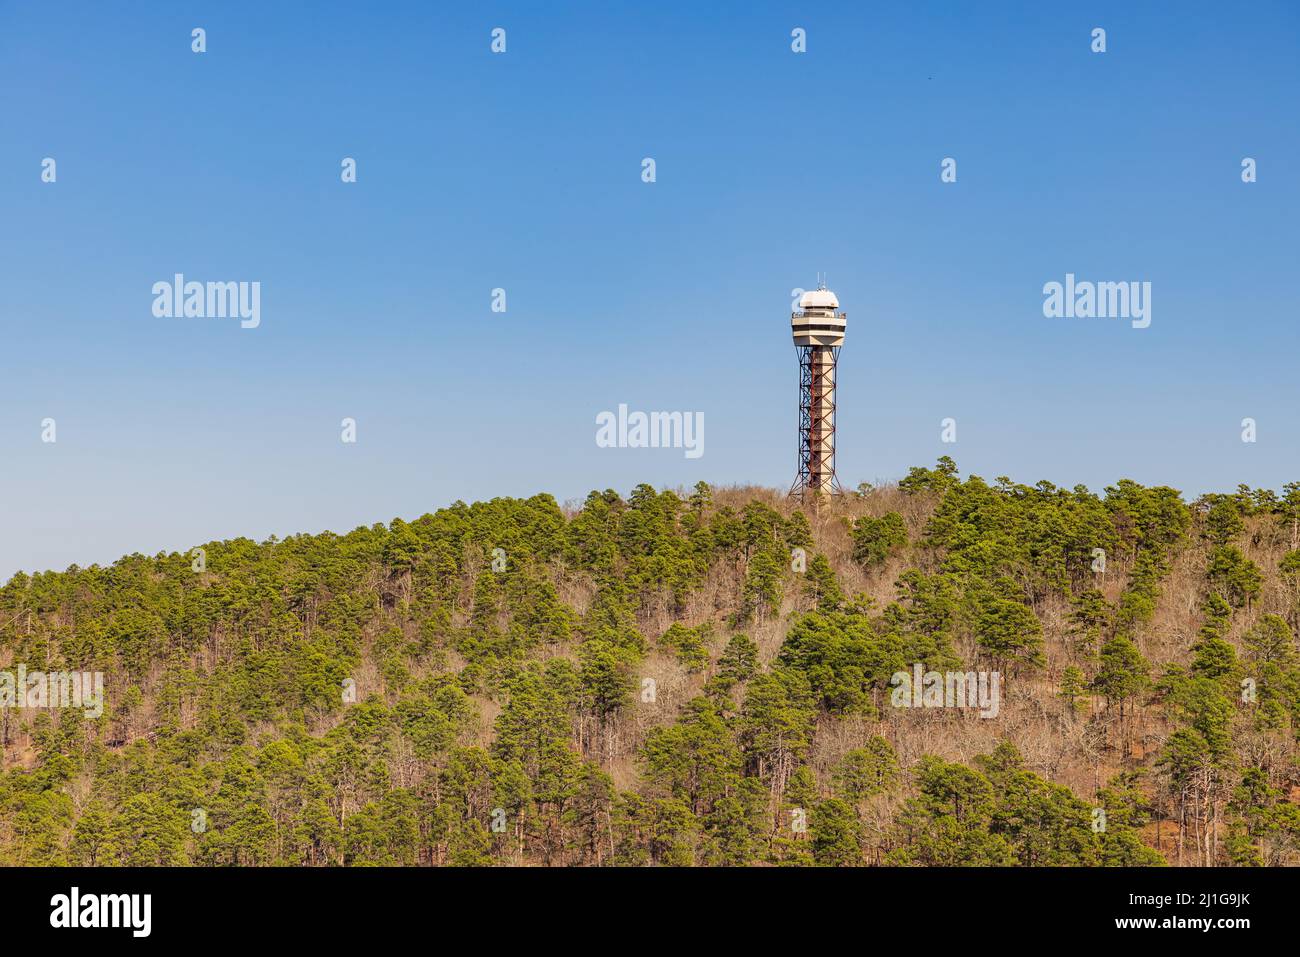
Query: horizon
570, 506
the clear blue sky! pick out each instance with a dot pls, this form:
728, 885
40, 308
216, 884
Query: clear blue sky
522, 171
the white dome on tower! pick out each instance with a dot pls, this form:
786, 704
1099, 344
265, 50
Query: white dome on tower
818, 299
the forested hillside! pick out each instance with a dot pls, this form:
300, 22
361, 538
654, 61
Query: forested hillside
680, 678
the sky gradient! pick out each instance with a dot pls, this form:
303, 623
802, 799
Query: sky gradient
523, 171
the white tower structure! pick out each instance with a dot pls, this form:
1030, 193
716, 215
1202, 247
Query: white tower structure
818, 329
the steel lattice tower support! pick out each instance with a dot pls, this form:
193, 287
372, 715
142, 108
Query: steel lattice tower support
818, 334
817, 419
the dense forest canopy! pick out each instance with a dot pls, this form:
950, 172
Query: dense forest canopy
679, 678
